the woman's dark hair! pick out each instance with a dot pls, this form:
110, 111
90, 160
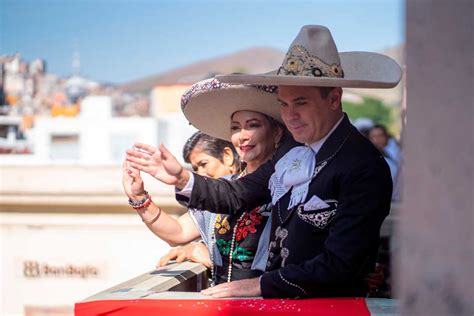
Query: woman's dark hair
211, 146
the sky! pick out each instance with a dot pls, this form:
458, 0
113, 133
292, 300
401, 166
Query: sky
123, 40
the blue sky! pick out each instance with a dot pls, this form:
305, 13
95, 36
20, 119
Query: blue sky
121, 40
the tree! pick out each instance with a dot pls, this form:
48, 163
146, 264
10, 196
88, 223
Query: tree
375, 110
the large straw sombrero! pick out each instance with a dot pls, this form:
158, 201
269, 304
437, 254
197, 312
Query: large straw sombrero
313, 60
209, 104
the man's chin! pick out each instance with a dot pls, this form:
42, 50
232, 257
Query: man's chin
299, 137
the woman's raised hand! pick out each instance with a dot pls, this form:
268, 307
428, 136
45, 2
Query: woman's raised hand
159, 163
132, 182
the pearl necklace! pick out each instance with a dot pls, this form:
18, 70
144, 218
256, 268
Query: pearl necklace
232, 244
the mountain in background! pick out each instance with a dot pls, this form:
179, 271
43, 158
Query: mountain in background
252, 60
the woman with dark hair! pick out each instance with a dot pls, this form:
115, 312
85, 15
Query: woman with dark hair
238, 246
211, 156
208, 156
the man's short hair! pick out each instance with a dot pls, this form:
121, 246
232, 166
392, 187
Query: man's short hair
324, 91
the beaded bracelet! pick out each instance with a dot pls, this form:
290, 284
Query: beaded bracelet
144, 205
145, 202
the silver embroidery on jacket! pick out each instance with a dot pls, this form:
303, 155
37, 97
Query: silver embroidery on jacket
320, 219
285, 252
280, 234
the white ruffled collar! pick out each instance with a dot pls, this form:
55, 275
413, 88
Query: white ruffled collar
295, 171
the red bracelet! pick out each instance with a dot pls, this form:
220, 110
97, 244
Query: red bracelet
143, 204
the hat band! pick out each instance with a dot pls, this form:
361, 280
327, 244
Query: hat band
207, 85
214, 84
298, 62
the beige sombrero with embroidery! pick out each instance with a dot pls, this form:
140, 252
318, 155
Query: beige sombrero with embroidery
209, 104
313, 60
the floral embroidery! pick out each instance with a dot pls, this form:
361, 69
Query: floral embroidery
319, 219
242, 254
240, 235
239, 253
224, 246
222, 224
248, 223
284, 253
280, 234
298, 62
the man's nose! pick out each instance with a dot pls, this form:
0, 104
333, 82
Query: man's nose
290, 113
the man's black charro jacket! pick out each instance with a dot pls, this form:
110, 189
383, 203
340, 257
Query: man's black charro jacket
319, 252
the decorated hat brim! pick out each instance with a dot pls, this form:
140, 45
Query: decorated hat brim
361, 70
210, 111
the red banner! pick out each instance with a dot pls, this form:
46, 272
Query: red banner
254, 307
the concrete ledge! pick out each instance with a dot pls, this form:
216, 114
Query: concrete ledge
188, 276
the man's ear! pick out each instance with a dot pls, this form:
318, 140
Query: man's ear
335, 96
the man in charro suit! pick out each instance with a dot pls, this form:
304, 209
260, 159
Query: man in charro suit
330, 189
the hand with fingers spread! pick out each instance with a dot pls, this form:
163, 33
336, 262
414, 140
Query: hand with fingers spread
159, 163
195, 252
132, 182
246, 288
172, 230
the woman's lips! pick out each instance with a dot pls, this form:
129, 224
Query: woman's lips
246, 148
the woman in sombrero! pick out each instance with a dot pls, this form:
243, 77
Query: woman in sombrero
247, 116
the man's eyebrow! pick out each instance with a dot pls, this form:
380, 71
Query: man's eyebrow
299, 99
294, 100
